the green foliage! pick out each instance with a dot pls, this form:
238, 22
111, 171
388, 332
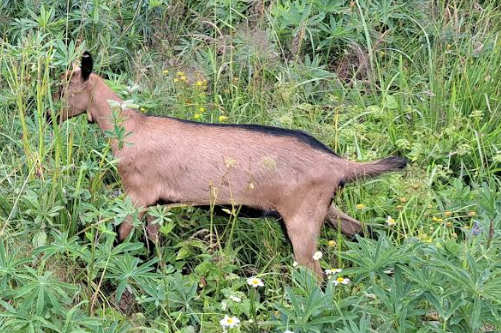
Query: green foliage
369, 78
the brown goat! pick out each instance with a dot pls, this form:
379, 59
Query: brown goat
266, 168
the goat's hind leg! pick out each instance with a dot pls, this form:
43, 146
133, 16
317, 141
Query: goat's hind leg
303, 227
346, 223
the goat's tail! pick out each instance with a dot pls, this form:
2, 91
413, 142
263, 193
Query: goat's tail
375, 168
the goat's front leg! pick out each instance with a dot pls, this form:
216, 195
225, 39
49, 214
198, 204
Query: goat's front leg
126, 227
152, 229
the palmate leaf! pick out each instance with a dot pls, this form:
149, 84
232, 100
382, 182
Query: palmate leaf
10, 266
75, 319
126, 269
311, 309
363, 326
115, 327
371, 257
44, 292
182, 292
60, 245
24, 321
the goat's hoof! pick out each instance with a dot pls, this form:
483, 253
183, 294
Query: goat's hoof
366, 232
369, 232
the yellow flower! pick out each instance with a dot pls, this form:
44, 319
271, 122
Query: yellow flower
175, 80
223, 118
199, 83
471, 214
360, 206
447, 214
440, 220
180, 73
196, 116
166, 71
434, 219
403, 200
399, 207
201, 109
183, 78
332, 243
449, 46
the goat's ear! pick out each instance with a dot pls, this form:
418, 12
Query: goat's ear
86, 65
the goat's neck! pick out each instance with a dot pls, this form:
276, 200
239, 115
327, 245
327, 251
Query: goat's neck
102, 112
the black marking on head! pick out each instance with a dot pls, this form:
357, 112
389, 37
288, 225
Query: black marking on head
342, 183
86, 65
269, 130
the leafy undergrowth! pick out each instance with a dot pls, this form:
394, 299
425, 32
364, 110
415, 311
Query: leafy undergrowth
368, 78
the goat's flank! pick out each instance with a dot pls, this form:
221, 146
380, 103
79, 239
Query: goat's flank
176, 161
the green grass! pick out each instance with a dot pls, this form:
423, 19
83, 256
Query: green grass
370, 79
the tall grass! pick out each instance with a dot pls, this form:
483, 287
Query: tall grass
368, 78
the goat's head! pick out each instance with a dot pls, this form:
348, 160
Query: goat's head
76, 90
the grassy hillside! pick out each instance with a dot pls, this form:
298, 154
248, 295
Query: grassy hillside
417, 78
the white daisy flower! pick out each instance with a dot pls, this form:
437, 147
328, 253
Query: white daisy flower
317, 255
235, 299
341, 280
287, 331
255, 282
390, 221
333, 271
295, 264
229, 322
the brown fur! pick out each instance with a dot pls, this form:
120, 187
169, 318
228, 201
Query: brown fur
166, 159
